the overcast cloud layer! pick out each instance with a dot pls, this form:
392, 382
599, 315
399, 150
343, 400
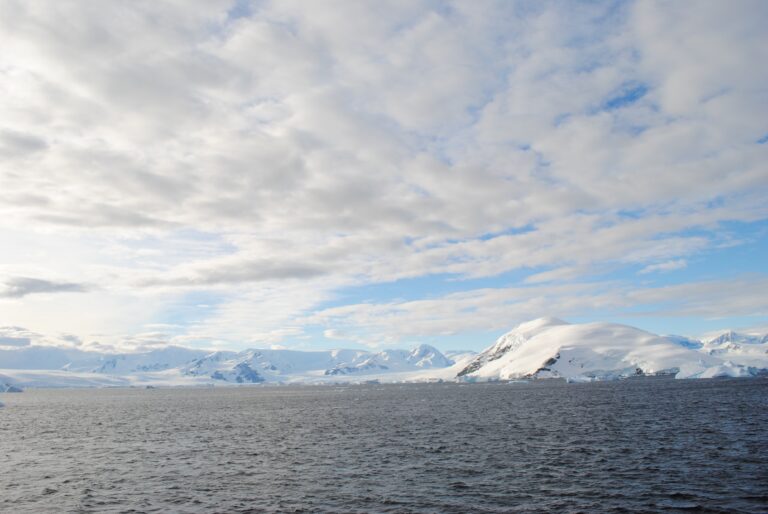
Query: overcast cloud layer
233, 174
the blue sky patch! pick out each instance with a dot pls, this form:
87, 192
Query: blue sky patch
627, 96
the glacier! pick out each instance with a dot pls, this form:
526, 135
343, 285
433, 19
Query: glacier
543, 348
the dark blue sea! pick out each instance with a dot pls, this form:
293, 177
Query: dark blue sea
639, 445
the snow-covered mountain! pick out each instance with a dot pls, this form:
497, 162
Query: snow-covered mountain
183, 366
275, 365
156, 360
542, 348
738, 348
736, 338
45, 357
421, 357
53, 358
549, 347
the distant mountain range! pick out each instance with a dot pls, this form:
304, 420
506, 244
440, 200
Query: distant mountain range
542, 348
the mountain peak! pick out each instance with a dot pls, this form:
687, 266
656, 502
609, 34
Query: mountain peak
423, 349
426, 356
732, 336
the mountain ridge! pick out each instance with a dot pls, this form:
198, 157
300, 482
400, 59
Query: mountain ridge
545, 347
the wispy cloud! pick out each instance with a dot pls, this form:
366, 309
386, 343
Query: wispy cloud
664, 266
18, 287
16, 337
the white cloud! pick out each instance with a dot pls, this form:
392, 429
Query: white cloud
14, 336
501, 308
665, 266
18, 287
154, 150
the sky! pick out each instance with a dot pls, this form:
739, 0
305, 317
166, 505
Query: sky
366, 174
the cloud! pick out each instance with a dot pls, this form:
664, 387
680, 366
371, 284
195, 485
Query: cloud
71, 339
740, 296
664, 266
16, 144
18, 287
276, 154
335, 333
243, 273
498, 309
17, 336
269, 136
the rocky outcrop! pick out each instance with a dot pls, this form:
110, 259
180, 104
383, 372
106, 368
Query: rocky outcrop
242, 373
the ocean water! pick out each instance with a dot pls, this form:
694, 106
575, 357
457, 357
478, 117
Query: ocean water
646, 445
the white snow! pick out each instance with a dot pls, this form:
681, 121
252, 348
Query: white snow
738, 348
542, 348
549, 347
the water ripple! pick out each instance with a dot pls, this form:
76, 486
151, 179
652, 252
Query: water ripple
633, 446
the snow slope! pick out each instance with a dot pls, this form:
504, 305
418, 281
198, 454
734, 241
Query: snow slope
549, 347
